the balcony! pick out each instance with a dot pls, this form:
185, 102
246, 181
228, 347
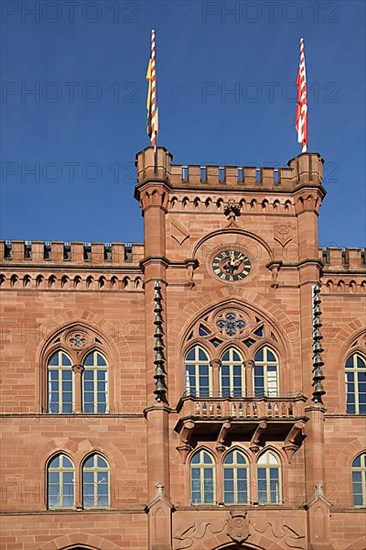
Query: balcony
251, 419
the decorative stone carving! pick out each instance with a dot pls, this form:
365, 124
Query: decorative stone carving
78, 368
78, 340
179, 232
230, 325
290, 535
238, 527
283, 233
232, 209
192, 535
274, 268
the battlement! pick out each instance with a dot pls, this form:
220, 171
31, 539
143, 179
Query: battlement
58, 252
344, 259
305, 169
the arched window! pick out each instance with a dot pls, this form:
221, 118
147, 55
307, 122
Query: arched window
268, 475
359, 480
95, 482
265, 373
236, 478
60, 482
202, 478
197, 369
356, 384
94, 381
60, 384
232, 379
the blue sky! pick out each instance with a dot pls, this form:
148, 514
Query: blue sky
81, 127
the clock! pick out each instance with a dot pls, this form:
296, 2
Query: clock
231, 265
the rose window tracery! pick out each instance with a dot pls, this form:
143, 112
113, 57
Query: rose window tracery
78, 340
230, 325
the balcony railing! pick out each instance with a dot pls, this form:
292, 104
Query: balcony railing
251, 408
251, 419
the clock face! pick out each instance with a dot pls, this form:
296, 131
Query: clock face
231, 265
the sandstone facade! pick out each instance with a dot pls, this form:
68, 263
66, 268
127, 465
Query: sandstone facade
144, 307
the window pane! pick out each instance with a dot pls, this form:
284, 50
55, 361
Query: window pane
190, 355
357, 500
357, 462
65, 360
101, 462
54, 359
88, 361
207, 458
88, 477
228, 459
53, 490
259, 355
357, 477
240, 458
53, 502
101, 362
68, 477
68, 500
102, 408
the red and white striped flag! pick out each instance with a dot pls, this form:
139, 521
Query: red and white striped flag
151, 102
301, 123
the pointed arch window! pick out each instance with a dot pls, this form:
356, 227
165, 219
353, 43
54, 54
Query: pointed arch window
60, 383
265, 373
356, 384
268, 476
202, 478
232, 374
359, 480
60, 482
94, 383
236, 478
198, 373
95, 482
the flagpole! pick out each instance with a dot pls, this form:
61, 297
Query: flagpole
152, 103
154, 99
301, 123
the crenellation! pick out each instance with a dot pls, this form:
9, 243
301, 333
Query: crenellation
344, 259
58, 252
304, 170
